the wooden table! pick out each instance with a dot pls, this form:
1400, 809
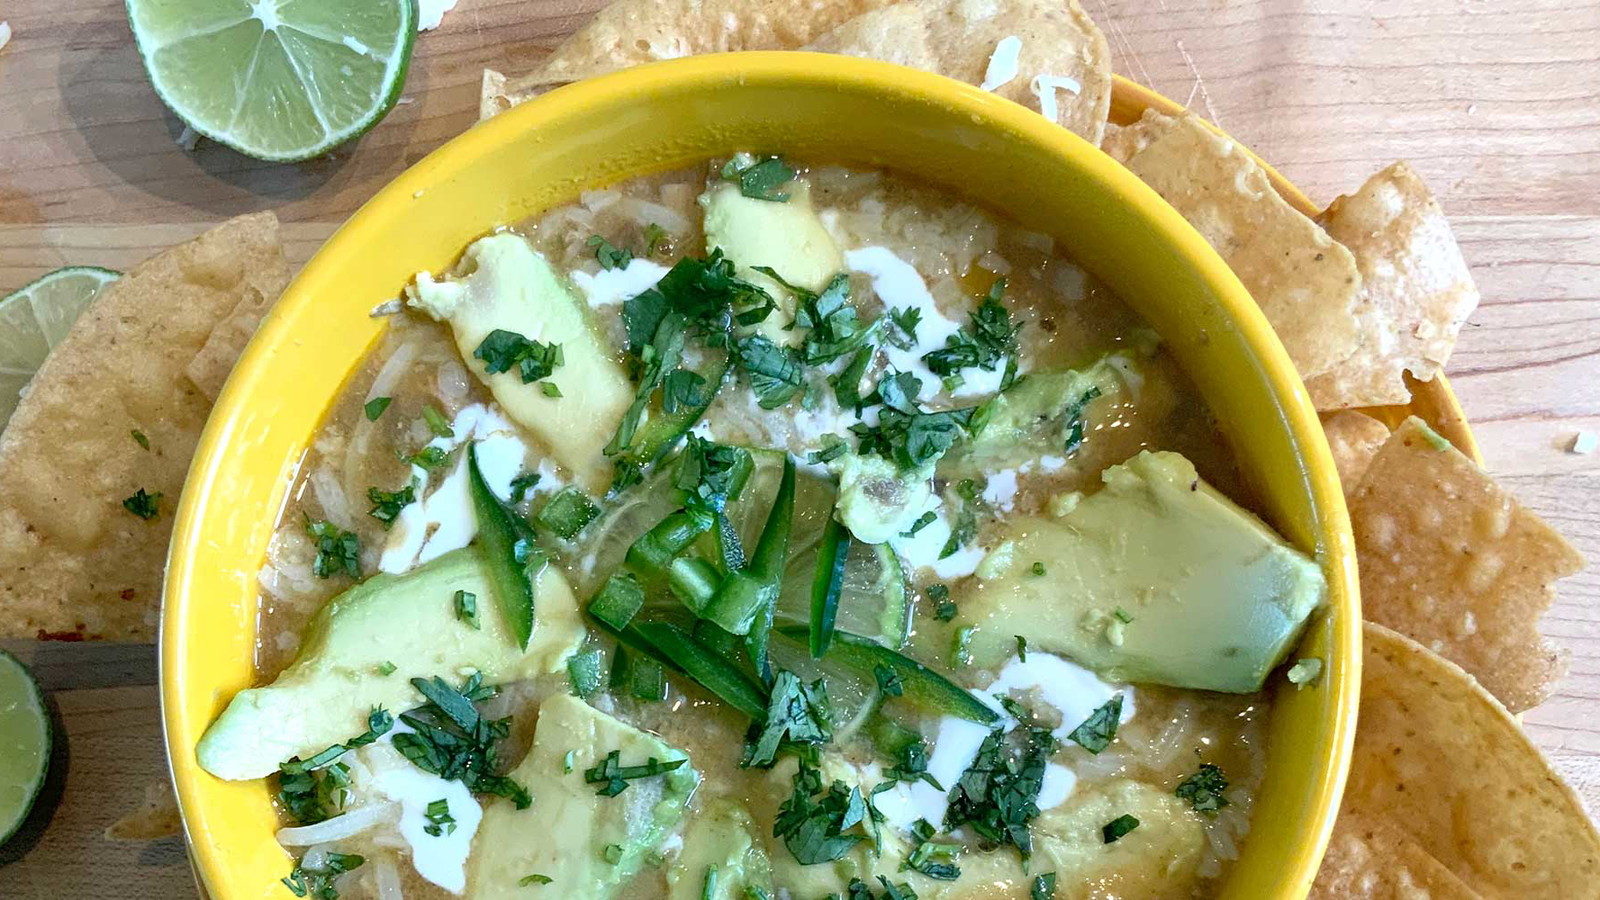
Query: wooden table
1496, 103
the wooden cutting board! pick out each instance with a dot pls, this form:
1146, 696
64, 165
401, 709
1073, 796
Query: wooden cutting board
1496, 104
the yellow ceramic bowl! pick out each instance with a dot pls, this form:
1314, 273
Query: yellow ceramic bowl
664, 116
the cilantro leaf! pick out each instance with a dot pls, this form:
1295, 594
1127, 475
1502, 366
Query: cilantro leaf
337, 550
1097, 732
797, 713
820, 825
608, 254
989, 338
452, 740
375, 407
997, 796
386, 505
775, 373
1204, 789
613, 776
1044, 887
1117, 828
965, 526
501, 350
143, 505
760, 180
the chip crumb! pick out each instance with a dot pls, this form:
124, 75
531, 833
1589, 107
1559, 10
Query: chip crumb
1305, 671
1584, 443
156, 818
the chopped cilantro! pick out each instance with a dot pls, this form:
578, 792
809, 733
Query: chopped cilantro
965, 526
1022, 648
502, 350
831, 317
655, 238
905, 321
549, 389
1075, 421
821, 825
935, 860
466, 603
143, 505
318, 788
437, 423
428, 458
989, 338
613, 776
1038, 568
912, 764
608, 254
797, 713
774, 371
889, 681
997, 796
440, 822
1204, 789
1115, 829
944, 609
387, 668
318, 884
337, 550
710, 474
612, 853
140, 439
906, 435
521, 484
1097, 732
1122, 615
1044, 887
833, 447
923, 521
376, 406
683, 389
847, 382
386, 505
452, 740
535, 878
760, 180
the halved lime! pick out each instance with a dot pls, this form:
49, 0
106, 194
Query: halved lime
34, 319
280, 80
873, 599
24, 743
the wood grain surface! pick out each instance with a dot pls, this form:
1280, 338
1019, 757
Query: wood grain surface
1497, 104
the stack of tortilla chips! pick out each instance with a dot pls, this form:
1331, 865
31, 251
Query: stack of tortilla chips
1447, 796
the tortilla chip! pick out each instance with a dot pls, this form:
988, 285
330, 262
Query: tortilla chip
157, 818
1371, 859
633, 32
1354, 439
955, 38
211, 367
74, 564
1416, 290
1306, 283
1450, 559
1438, 759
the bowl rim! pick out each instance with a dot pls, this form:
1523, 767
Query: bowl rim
817, 71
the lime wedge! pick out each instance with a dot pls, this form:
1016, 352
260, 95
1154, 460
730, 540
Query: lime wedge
280, 80
34, 319
24, 743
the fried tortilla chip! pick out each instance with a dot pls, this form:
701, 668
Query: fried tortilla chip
75, 563
155, 819
1305, 282
633, 32
1062, 67
1416, 290
1371, 859
1354, 439
1450, 559
1440, 761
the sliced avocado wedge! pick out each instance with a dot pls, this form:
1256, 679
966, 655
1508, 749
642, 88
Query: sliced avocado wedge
587, 844
502, 284
1156, 578
1044, 414
720, 836
787, 238
405, 625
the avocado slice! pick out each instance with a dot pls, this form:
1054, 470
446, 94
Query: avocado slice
1043, 414
408, 621
721, 835
588, 845
501, 283
787, 238
1214, 598
877, 501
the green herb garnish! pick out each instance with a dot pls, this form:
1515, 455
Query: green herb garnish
386, 505
760, 180
502, 350
140, 439
613, 776
1044, 887
774, 371
318, 884
797, 714
440, 822
1204, 789
387, 668
989, 338
535, 878
923, 521
944, 609
965, 526
375, 407
428, 458
997, 796
549, 389
521, 484
1038, 568
1115, 829
608, 254
655, 237
453, 741
143, 505
337, 550
889, 681
466, 604
1095, 733
905, 434
935, 860
436, 422
905, 321
820, 825
963, 646
1022, 648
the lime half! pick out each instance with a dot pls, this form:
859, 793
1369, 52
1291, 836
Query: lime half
34, 319
24, 743
280, 80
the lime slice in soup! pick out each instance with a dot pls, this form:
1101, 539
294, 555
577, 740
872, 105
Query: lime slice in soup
24, 743
280, 80
34, 319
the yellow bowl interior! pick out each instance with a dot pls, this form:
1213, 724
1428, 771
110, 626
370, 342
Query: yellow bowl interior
852, 111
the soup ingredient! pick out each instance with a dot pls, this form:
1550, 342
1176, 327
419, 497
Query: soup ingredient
1416, 289
280, 82
797, 713
1043, 414
997, 796
25, 741
878, 501
35, 318
988, 340
1496, 816
1155, 859
786, 238
1306, 283
1217, 598
720, 836
408, 622
145, 506
873, 599
1452, 560
920, 685
827, 582
438, 816
73, 563
587, 844
338, 551
955, 39
820, 824
1204, 789
501, 284
316, 880
1119, 827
